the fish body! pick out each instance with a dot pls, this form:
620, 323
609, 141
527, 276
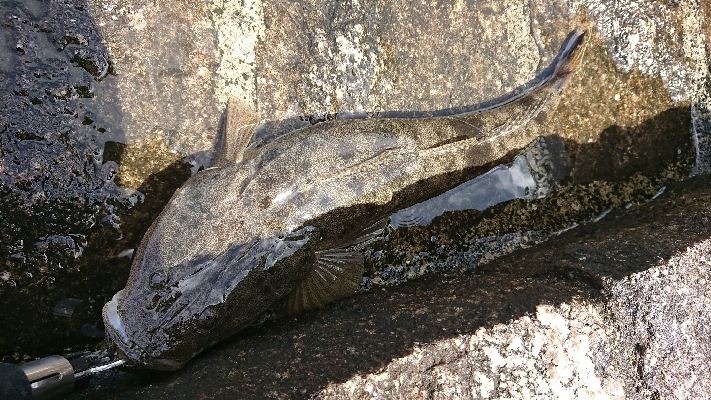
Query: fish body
280, 222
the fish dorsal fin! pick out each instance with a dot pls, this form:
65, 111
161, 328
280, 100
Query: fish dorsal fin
336, 274
240, 123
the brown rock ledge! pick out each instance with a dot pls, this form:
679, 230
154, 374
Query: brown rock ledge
617, 308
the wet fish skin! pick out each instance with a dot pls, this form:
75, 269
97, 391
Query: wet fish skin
273, 223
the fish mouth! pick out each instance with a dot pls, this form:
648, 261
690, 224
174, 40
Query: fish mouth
116, 336
118, 340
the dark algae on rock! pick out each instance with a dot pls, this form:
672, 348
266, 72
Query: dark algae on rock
65, 214
363, 345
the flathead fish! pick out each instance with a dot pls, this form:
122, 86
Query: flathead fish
278, 225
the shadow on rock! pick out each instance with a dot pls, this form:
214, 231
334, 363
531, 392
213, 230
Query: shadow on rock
295, 357
102, 272
56, 192
624, 151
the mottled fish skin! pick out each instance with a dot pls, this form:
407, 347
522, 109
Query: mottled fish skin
273, 223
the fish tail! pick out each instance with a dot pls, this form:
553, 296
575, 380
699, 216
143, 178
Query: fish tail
570, 56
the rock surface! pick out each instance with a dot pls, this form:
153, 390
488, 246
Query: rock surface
108, 106
644, 336
613, 309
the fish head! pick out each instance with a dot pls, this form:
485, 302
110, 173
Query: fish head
201, 274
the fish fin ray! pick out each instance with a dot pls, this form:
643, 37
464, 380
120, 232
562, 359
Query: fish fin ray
336, 274
240, 122
367, 235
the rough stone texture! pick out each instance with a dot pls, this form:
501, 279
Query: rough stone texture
164, 57
59, 198
667, 338
368, 56
107, 106
617, 308
555, 353
647, 339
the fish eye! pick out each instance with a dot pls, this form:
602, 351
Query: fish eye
158, 279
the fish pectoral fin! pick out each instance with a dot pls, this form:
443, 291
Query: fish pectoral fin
240, 122
336, 274
368, 234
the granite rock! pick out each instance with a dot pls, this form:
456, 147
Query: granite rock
109, 106
613, 309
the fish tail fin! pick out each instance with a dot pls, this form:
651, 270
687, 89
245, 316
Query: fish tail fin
515, 110
570, 57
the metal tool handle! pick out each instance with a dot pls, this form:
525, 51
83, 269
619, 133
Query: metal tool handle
14, 383
45, 378
50, 377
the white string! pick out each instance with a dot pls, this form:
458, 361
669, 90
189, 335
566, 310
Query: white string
99, 368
